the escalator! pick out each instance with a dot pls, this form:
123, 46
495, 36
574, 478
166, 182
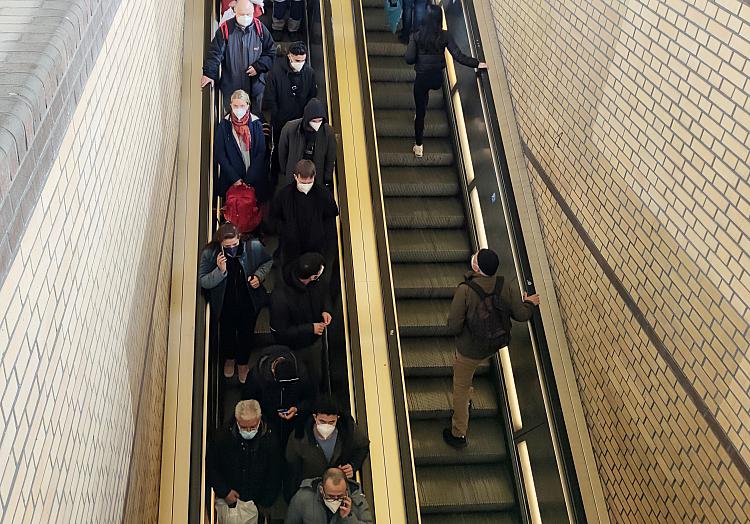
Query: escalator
430, 246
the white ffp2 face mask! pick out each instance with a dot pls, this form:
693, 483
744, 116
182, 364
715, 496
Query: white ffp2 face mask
316, 125
239, 112
297, 66
244, 20
333, 505
305, 188
325, 430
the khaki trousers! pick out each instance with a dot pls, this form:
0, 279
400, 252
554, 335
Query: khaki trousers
463, 391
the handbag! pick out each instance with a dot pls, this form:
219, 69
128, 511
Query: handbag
242, 512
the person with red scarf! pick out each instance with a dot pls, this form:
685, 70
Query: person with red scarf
240, 149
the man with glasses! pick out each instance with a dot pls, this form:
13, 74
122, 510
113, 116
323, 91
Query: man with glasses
244, 465
329, 500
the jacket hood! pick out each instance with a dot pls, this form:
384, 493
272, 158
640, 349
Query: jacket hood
272, 353
313, 109
485, 282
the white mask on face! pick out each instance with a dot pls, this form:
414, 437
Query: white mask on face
244, 20
239, 112
297, 66
316, 125
305, 188
325, 430
333, 505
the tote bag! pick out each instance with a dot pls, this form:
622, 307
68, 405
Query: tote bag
241, 513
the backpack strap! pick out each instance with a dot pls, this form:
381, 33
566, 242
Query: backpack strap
224, 31
476, 287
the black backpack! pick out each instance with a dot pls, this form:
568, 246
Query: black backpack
489, 320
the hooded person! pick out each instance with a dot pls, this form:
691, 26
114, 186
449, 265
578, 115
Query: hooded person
309, 138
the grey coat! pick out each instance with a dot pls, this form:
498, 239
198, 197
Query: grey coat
307, 506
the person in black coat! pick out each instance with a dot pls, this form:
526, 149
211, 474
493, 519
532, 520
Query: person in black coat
309, 138
304, 214
301, 311
282, 387
243, 50
244, 462
240, 150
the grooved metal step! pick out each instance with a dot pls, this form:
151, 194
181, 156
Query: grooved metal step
486, 443
384, 44
375, 21
390, 69
468, 488
431, 357
430, 398
398, 152
418, 181
423, 317
472, 518
400, 123
427, 280
400, 95
424, 213
429, 246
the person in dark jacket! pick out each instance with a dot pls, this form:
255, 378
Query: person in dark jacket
232, 272
471, 350
426, 51
301, 311
294, 10
330, 499
282, 387
309, 138
244, 50
290, 86
304, 214
329, 438
244, 463
240, 150
411, 19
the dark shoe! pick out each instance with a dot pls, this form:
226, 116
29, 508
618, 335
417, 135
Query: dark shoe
454, 442
403, 38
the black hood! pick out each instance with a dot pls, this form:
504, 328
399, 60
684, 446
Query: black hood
313, 109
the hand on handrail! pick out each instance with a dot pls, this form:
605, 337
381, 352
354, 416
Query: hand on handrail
206, 80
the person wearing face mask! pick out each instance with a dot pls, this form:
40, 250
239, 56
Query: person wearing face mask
232, 272
301, 311
291, 85
309, 138
494, 300
243, 51
240, 150
281, 384
332, 498
329, 438
304, 215
227, 9
244, 464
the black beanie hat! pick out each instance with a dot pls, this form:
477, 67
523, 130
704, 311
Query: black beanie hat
309, 265
487, 261
286, 369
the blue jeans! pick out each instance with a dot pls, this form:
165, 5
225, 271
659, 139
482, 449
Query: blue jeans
280, 9
414, 11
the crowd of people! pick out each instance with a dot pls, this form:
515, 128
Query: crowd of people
289, 439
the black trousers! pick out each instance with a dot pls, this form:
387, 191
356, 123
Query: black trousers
423, 84
312, 358
236, 332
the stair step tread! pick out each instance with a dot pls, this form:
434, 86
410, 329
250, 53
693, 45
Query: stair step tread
423, 280
418, 181
424, 212
486, 443
398, 152
390, 69
431, 357
429, 245
400, 123
400, 95
432, 397
492, 517
423, 317
375, 21
469, 488
383, 43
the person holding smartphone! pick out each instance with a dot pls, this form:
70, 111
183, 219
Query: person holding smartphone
231, 273
332, 498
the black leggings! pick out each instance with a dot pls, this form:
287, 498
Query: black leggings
236, 331
423, 84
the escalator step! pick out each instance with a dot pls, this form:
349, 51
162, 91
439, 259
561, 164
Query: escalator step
425, 245
400, 95
430, 398
384, 44
400, 123
398, 152
471, 488
373, 3
390, 69
431, 357
375, 21
486, 443
427, 280
471, 518
414, 181
263, 324
424, 213
423, 317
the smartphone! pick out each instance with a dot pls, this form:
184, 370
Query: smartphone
283, 411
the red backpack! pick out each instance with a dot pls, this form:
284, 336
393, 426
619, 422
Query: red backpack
241, 208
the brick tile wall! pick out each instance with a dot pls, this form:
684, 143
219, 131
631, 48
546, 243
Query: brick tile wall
638, 113
83, 329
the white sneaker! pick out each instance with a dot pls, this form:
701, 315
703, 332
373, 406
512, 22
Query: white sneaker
418, 150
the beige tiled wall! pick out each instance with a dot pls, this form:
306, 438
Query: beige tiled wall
638, 113
84, 309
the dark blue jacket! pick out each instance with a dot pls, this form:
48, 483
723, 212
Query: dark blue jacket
227, 154
243, 48
254, 261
